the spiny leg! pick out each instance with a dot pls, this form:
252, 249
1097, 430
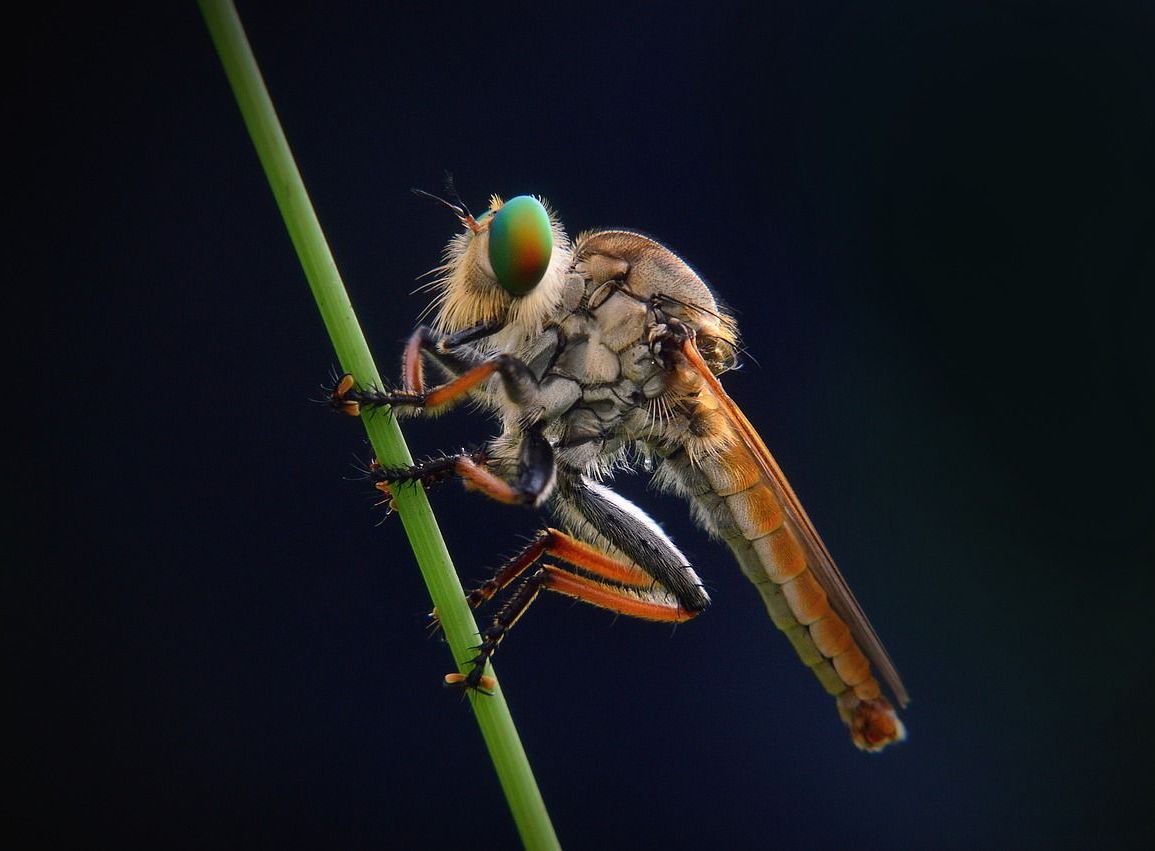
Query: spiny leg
652, 580
596, 513
552, 542
652, 603
532, 483
519, 382
454, 354
601, 513
428, 472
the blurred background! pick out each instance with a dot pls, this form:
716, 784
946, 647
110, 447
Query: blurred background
934, 223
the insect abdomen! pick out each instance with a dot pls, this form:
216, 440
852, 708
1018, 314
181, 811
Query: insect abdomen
751, 519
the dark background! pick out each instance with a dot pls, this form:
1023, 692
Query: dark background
934, 222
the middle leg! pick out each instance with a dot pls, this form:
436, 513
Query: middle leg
531, 484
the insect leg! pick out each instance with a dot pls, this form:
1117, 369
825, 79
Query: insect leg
597, 514
534, 480
520, 384
553, 542
452, 353
651, 579
614, 585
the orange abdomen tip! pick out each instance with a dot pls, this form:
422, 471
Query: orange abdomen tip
874, 725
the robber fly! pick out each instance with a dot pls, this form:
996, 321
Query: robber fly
603, 354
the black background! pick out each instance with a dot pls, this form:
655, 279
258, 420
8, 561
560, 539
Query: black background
934, 222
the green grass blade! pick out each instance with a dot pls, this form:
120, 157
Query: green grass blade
492, 713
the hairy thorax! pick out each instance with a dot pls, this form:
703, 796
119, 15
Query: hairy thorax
604, 393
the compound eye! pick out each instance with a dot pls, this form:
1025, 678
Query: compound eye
520, 244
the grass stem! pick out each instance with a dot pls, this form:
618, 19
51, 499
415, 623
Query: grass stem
492, 713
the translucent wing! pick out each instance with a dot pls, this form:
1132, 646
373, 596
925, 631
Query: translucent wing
820, 561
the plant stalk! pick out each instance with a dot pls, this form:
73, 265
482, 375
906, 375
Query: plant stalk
492, 713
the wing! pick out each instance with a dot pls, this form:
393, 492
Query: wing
820, 561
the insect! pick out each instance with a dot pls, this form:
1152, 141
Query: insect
600, 354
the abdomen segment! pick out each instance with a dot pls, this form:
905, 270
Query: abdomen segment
732, 497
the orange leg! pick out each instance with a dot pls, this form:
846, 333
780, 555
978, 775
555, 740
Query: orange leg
453, 352
477, 477
615, 585
469, 467
351, 400
652, 603
645, 604
567, 548
534, 477
412, 368
520, 385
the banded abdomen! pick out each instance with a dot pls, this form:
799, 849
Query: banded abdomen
732, 499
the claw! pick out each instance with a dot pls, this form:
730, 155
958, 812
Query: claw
481, 683
390, 505
354, 401
337, 397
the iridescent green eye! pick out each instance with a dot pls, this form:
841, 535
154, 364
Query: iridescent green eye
520, 244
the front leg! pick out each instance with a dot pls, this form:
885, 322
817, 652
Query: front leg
520, 384
453, 353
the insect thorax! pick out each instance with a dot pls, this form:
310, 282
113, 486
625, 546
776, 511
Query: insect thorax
602, 390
